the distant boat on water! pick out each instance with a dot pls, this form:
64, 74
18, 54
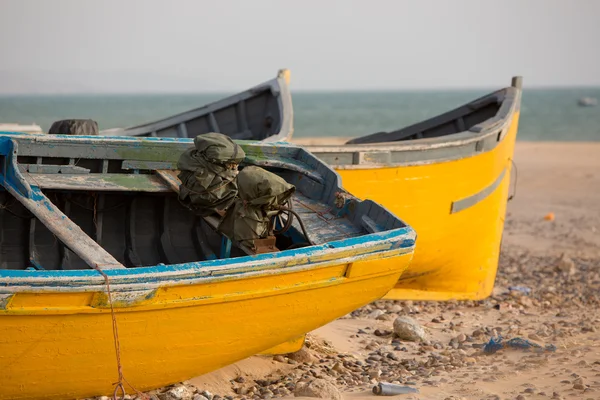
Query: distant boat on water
588, 102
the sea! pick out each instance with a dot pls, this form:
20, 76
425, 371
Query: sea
546, 114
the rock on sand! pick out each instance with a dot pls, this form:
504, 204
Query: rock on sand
319, 388
407, 328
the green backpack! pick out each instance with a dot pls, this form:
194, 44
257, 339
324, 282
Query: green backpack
208, 173
260, 194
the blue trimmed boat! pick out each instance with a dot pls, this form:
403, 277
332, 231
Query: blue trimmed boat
96, 253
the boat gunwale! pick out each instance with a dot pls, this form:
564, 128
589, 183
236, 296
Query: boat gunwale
277, 85
370, 246
492, 126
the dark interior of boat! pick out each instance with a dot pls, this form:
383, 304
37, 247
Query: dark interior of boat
151, 227
458, 120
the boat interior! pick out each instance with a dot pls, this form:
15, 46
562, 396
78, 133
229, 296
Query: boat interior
260, 113
128, 207
468, 117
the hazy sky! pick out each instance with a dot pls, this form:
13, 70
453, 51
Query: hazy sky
193, 46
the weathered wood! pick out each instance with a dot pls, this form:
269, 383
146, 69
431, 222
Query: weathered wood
147, 165
285, 164
65, 230
99, 182
169, 177
52, 169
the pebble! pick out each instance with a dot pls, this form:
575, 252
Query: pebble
376, 313
207, 394
318, 388
179, 392
302, 356
382, 332
407, 328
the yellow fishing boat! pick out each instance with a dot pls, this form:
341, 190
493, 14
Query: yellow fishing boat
103, 271
449, 177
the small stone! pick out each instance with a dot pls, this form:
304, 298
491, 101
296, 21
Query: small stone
240, 379
579, 386
302, 356
520, 397
179, 392
375, 313
529, 390
318, 388
407, 328
338, 367
382, 332
375, 373
566, 265
207, 394
461, 338
199, 397
279, 358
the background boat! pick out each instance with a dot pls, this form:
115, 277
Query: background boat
81, 212
263, 112
449, 178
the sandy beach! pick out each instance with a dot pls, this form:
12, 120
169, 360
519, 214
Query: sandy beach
551, 247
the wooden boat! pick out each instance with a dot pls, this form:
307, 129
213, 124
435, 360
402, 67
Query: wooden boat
263, 112
80, 213
449, 177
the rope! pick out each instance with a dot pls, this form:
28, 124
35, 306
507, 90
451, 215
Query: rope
120, 384
299, 221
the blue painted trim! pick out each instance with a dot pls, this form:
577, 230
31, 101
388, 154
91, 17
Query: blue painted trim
394, 236
9, 172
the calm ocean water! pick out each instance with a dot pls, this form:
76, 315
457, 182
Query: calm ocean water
545, 114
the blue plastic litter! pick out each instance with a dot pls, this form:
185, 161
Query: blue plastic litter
518, 343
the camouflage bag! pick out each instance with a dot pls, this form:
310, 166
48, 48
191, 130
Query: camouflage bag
260, 194
208, 173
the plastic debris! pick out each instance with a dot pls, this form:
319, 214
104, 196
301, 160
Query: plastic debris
522, 289
549, 216
391, 389
517, 343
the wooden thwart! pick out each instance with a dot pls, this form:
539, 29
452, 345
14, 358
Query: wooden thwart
66, 230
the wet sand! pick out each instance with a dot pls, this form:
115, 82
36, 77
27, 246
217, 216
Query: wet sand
557, 258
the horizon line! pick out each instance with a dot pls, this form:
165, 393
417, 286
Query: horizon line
328, 91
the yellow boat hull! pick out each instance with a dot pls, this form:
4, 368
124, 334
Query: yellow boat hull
60, 345
457, 254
